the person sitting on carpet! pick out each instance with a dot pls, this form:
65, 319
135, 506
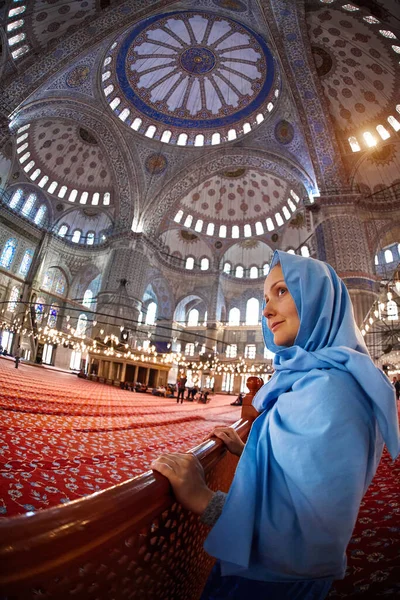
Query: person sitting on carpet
282, 530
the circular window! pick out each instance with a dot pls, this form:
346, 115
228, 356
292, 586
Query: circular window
190, 78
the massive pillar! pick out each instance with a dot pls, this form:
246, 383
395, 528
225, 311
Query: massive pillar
341, 240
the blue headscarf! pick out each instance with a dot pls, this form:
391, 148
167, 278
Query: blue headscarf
314, 449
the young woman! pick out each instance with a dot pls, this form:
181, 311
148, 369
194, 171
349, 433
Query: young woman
282, 530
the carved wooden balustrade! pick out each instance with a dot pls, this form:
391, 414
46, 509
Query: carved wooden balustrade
130, 541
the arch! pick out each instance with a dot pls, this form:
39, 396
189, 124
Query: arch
25, 263
205, 263
40, 214
76, 236
151, 313
252, 311
53, 314
81, 326
388, 256
54, 281
234, 316
88, 298
253, 273
189, 264
239, 271
193, 317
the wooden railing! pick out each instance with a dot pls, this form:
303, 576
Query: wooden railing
129, 541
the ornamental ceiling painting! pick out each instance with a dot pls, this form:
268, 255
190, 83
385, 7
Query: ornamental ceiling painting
237, 196
357, 66
189, 71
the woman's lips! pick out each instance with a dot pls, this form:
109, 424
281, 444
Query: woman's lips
275, 325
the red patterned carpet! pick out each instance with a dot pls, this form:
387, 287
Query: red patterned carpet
62, 438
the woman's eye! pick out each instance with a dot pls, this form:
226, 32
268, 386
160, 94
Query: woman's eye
281, 291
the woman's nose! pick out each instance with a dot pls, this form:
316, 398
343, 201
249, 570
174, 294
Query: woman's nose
269, 310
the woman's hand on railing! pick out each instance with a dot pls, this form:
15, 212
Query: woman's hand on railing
230, 438
186, 476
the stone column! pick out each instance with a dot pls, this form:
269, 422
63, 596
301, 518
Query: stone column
341, 241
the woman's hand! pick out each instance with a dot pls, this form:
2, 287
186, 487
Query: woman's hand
186, 476
230, 438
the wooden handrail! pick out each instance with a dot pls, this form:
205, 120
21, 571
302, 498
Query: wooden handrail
47, 543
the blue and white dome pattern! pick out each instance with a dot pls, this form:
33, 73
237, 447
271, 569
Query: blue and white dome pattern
190, 71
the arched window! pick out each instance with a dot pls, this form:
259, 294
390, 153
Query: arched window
26, 263
150, 131
265, 269
253, 273
151, 314
388, 256
383, 132
178, 216
73, 195
250, 351
106, 199
189, 263
199, 140
199, 225
52, 318
215, 138
232, 135
52, 187
204, 264
252, 310
278, 219
235, 231
210, 229
392, 311
7, 256
114, 103
136, 124
87, 298
247, 230
40, 214
59, 283
286, 213
227, 267
124, 114
270, 224
90, 238
76, 236
189, 349
354, 145
376, 260
222, 231
291, 205
290, 251
239, 271
28, 205
188, 221
394, 123
16, 198
259, 228
234, 317
62, 232
39, 309
14, 297
246, 127
182, 139
193, 317
205, 318
231, 351
81, 326
305, 251
166, 136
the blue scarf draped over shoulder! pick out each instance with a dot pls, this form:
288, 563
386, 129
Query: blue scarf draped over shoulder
315, 447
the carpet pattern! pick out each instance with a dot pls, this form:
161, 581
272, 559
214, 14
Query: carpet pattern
62, 438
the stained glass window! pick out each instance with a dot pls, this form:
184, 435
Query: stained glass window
40, 215
48, 280
82, 323
29, 203
52, 319
39, 310
90, 238
59, 283
76, 236
14, 297
26, 263
7, 256
15, 198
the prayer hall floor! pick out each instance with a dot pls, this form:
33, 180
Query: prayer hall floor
62, 438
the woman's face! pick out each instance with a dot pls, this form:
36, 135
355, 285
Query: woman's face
280, 309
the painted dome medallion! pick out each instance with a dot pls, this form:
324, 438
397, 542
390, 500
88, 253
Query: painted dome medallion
190, 78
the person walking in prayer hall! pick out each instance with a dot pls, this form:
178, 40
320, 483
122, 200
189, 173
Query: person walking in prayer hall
282, 530
181, 389
17, 356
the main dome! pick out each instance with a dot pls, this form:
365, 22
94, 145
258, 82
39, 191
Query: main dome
190, 78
